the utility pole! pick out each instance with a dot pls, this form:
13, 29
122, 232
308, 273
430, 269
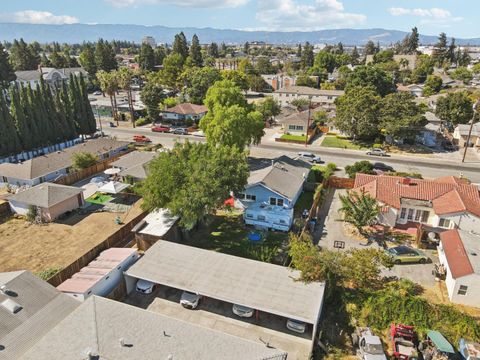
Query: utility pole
475, 109
308, 119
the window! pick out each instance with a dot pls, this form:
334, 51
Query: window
403, 213
329, 97
241, 196
250, 197
445, 223
250, 216
291, 127
418, 213
281, 221
462, 290
299, 127
425, 215
279, 202
273, 201
410, 214
261, 217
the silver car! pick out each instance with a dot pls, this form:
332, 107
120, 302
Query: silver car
377, 152
190, 300
296, 325
242, 311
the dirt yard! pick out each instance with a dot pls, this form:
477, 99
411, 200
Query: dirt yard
55, 245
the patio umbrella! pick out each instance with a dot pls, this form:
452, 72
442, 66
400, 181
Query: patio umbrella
113, 187
112, 171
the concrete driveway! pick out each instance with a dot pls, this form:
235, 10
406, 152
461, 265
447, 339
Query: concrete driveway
217, 315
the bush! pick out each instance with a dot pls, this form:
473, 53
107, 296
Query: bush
377, 146
332, 166
31, 213
364, 167
83, 160
48, 273
142, 121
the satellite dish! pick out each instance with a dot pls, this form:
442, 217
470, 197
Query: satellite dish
432, 235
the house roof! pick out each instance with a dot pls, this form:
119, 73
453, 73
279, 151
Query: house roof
45, 195
299, 118
138, 172
305, 90
100, 326
463, 129
133, 158
59, 160
447, 194
285, 176
187, 109
267, 287
157, 223
30, 75
43, 307
462, 250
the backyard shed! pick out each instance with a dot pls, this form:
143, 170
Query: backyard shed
50, 200
158, 225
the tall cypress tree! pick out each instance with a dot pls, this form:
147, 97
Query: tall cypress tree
68, 110
89, 117
29, 111
24, 132
196, 52
7, 74
9, 142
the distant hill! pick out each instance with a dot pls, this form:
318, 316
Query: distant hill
77, 33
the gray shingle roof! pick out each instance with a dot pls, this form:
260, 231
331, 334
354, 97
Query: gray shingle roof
43, 307
99, 324
55, 161
45, 195
285, 177
305, 90
133, 158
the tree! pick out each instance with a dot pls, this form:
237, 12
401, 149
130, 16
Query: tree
440, 51
383, 56
433, 85
264, 66
424, 67
146, 58
324, 60
7, 75
125, 76
159, 54
9, 142
237, 77
87, 59
358, 113
172, 70
196, 51
230, 120
451, 53
363, 167
305, 80
152, 96
213, 50
246, 48
476, 68
269, 108
246, 67
257, 83
193, 180
299, 51
463, 74
307, 58
320, 117
105, 56
355, 56
23, 56
359, 209
83, 160
199, 81
57, 60
411, 42
370, 48
300, 103
109, 85
455, 108
401, 117
370, 76
180, 46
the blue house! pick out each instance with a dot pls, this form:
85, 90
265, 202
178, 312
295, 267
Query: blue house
272, 191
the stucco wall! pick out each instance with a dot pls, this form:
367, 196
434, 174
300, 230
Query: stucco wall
68, 205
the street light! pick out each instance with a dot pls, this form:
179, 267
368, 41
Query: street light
476, 107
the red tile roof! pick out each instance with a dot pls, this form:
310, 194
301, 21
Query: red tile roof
447, 194
188, 109
456, 255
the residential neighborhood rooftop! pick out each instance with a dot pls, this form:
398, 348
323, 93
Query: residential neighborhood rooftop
462, 250
132, 159
306, 90
187, 109
299, 118
157, 223
267, 287
45, 195
448, 194
464, 129
107, 329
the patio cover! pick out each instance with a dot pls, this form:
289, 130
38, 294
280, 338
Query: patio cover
113, 187
440, 342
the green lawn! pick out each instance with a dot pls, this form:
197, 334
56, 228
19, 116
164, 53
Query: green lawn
226, 233
293, 137
336, 142
305, 201
99, 199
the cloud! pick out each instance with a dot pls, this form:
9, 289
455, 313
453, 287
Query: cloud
291, 15
433, 16
37, 17
184, 3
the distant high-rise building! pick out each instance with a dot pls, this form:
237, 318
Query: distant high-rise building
150, 40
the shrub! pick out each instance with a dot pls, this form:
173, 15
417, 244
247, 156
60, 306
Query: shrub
332, 166
31, 213
142, 121
364, 167
47, 273
83, 160
377, 146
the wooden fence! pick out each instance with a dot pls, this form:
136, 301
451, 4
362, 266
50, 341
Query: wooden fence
85, 173
341, 183
120, 238
4, 209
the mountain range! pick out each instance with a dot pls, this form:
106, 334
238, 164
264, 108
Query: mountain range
77, 33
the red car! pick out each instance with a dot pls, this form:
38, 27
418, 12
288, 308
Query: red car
141, 139
161, 129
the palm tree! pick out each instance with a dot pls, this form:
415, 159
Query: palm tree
359, 209
125, 76
109, 85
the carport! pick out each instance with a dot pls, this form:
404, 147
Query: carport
262, 286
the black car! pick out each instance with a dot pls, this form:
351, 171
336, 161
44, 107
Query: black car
382, 167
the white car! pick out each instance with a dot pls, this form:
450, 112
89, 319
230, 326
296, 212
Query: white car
145, 286
377, 152
297, 326
310, 157
242, 311
189, 300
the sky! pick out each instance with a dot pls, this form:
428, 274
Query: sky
458, 18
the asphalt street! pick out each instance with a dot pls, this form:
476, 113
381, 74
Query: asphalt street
428, 167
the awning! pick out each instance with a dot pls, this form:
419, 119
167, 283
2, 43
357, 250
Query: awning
440, 342
113, 187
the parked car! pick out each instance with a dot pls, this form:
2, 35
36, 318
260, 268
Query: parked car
404, 255
310, 157
179, 131
242, 311
111, 124
404, 342
145, 286
377, 152
199, 133
296, 326
189, 300
469, 350
141, 139
97, 93
161, 129
382, 167
369, 345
